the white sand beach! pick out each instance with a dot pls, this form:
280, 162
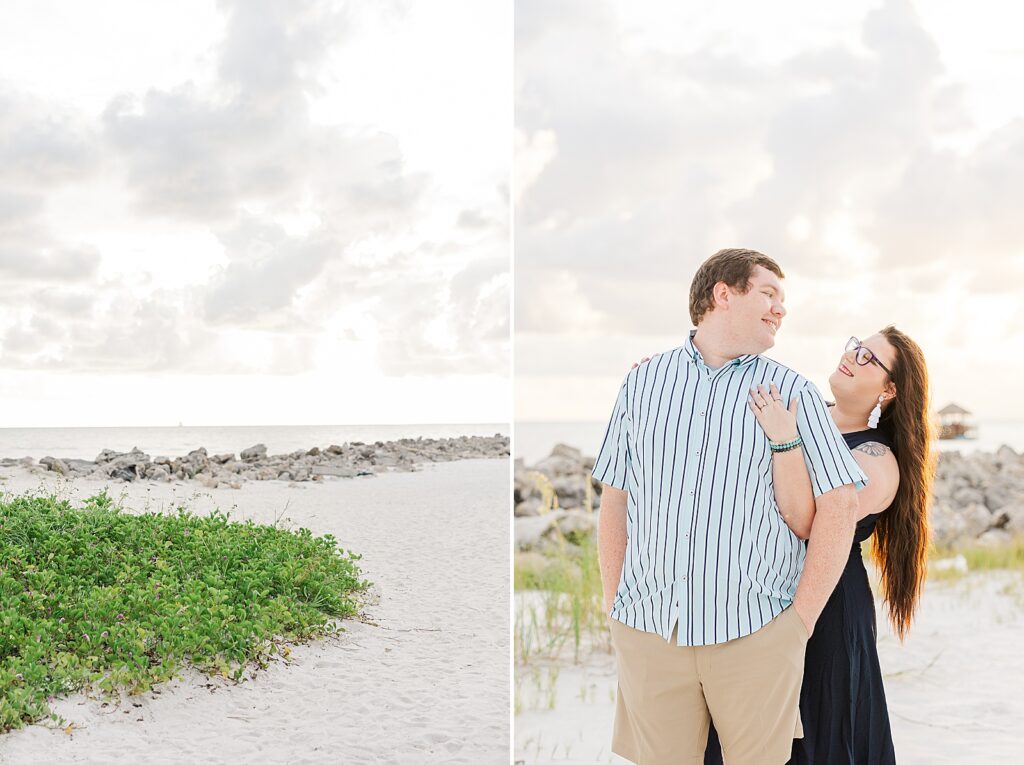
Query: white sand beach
427, 681
955, 689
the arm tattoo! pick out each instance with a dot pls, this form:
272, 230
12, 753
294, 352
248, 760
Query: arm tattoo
872, 448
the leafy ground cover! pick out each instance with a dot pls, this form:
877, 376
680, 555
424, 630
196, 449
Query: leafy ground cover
94, 598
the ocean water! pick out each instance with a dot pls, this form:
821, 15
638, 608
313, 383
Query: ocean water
534, 440
86, 443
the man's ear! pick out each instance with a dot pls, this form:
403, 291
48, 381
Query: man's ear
721, 293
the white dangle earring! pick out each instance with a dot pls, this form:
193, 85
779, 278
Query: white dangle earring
876, 413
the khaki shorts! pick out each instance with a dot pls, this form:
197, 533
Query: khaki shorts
668, 694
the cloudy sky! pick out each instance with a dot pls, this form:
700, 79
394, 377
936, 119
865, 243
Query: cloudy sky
254, 212
875, 149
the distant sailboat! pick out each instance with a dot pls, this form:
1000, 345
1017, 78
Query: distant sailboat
955, 422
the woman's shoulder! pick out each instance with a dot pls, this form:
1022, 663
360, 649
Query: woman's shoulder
877, 460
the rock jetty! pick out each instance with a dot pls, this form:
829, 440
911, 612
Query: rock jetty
348, 460
976, 498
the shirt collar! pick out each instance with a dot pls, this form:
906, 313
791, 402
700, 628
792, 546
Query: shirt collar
697, 358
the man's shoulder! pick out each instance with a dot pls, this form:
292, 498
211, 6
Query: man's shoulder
655, 362
777, 371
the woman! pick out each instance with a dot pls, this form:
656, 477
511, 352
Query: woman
882, 410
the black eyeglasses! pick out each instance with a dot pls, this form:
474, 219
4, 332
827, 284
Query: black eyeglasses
864, 355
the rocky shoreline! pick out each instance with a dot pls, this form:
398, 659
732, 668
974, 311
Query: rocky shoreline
976, 499
226, 470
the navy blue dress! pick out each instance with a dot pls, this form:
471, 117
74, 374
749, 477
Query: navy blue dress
842, 701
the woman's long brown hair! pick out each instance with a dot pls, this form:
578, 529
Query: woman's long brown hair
900, 548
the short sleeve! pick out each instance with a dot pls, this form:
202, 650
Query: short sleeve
612, 464
830, 462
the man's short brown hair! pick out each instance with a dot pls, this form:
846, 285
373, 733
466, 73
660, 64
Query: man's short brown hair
734, 267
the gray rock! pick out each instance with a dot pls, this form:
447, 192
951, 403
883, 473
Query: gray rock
55, 464
1002, 491
528, 508
995, 538
123, 474
524, 486
530, 531
571, 490
557, 466
124, 466
1007, 456
1014, 513
106, 456
198, 459
577, 525
259, 451
341, 471
951, 527
157, 473
967, 495
83, 467
569, 452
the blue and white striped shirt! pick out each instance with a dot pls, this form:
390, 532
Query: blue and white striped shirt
707, 545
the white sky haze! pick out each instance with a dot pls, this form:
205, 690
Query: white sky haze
874, 149
254, 212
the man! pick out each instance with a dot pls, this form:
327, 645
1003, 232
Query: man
699, 568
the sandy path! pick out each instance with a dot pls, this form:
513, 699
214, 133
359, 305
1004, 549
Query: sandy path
429, 684
955, 689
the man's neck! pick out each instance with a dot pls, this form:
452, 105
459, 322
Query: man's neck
712, 348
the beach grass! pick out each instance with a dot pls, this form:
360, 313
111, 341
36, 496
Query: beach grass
975, 557
561, 605
1009, 556
96, 599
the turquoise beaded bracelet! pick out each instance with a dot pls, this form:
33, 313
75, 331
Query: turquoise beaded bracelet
788, 446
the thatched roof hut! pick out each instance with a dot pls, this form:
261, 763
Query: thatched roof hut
954, 422
953, 409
